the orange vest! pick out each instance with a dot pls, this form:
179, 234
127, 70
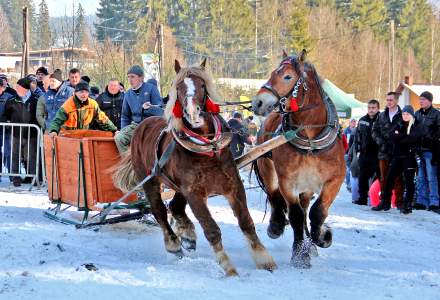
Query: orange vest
80, 117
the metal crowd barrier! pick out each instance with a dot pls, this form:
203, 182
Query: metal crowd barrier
22, 154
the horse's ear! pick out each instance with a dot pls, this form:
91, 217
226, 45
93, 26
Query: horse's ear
285, 54
302, 56
203, 64
177, 66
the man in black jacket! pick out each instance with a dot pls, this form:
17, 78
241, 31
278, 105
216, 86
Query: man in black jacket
387, 120
110, 102
240, 135
427, 185
367, 151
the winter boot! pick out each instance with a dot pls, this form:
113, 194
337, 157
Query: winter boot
406, 208
383, 205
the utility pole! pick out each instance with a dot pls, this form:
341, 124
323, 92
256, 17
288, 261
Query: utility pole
393, 69
256, 29
73, 33
161, 49
25, 54
432, 50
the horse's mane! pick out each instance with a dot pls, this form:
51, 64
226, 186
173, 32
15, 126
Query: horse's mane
172, 94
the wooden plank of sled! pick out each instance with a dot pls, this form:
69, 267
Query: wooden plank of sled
263, 148
100, 154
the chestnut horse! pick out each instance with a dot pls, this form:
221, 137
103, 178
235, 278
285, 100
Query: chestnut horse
193, 169
312, 163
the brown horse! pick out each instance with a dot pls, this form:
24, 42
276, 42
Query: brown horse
313, 163
190, 117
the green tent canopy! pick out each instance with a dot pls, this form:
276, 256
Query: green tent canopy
346, 105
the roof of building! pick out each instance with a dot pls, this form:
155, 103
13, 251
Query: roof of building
420, 88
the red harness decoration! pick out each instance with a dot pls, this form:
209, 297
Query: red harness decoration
210, 106
294, 104
177, 110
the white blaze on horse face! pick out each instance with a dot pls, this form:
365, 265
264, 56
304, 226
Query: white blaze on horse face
191, 112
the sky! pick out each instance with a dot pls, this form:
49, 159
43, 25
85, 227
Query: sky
61, 7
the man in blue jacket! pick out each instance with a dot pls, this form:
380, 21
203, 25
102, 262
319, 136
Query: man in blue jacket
53, 99
141, 101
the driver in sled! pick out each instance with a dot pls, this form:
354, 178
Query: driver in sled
141, 101
80, 112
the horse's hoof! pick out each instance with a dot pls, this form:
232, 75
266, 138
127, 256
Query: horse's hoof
231, 273
275, 230
324, 240
301, 262
269, 266
188, 244
301, 255
179, 253
314, 250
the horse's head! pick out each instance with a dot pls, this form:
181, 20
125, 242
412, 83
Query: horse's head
190, 96
283, 85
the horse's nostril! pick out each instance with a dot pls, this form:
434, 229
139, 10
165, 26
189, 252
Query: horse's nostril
260, 104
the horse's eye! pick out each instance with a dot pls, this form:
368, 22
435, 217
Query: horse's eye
287, 77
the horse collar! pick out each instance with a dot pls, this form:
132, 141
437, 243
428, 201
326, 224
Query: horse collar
199, 144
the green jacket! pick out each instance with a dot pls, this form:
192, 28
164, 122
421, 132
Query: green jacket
74, 114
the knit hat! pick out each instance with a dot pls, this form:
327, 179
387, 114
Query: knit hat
94, 90
85, 78
136, 70
25, 83
32, 77
82, 86
409, 109
57, 74
42, 70
427, 95
237, 115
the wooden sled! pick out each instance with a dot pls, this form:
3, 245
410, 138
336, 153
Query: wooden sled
78, 167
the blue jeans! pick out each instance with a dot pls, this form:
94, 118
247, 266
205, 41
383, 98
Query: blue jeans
354, 181
347, 171
427, 185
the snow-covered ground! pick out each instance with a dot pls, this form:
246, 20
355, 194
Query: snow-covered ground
374, 256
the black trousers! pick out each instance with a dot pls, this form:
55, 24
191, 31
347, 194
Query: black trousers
406, 167
369, 168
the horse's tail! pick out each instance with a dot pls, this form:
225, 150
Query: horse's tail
124, 177
258, 176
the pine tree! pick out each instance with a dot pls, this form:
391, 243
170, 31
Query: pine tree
365, 14
6, 43
80, 26
414, 32
116, 20
395, 8
13, 11
43, 31
298, 26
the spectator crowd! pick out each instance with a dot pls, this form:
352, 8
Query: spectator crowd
399, 148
